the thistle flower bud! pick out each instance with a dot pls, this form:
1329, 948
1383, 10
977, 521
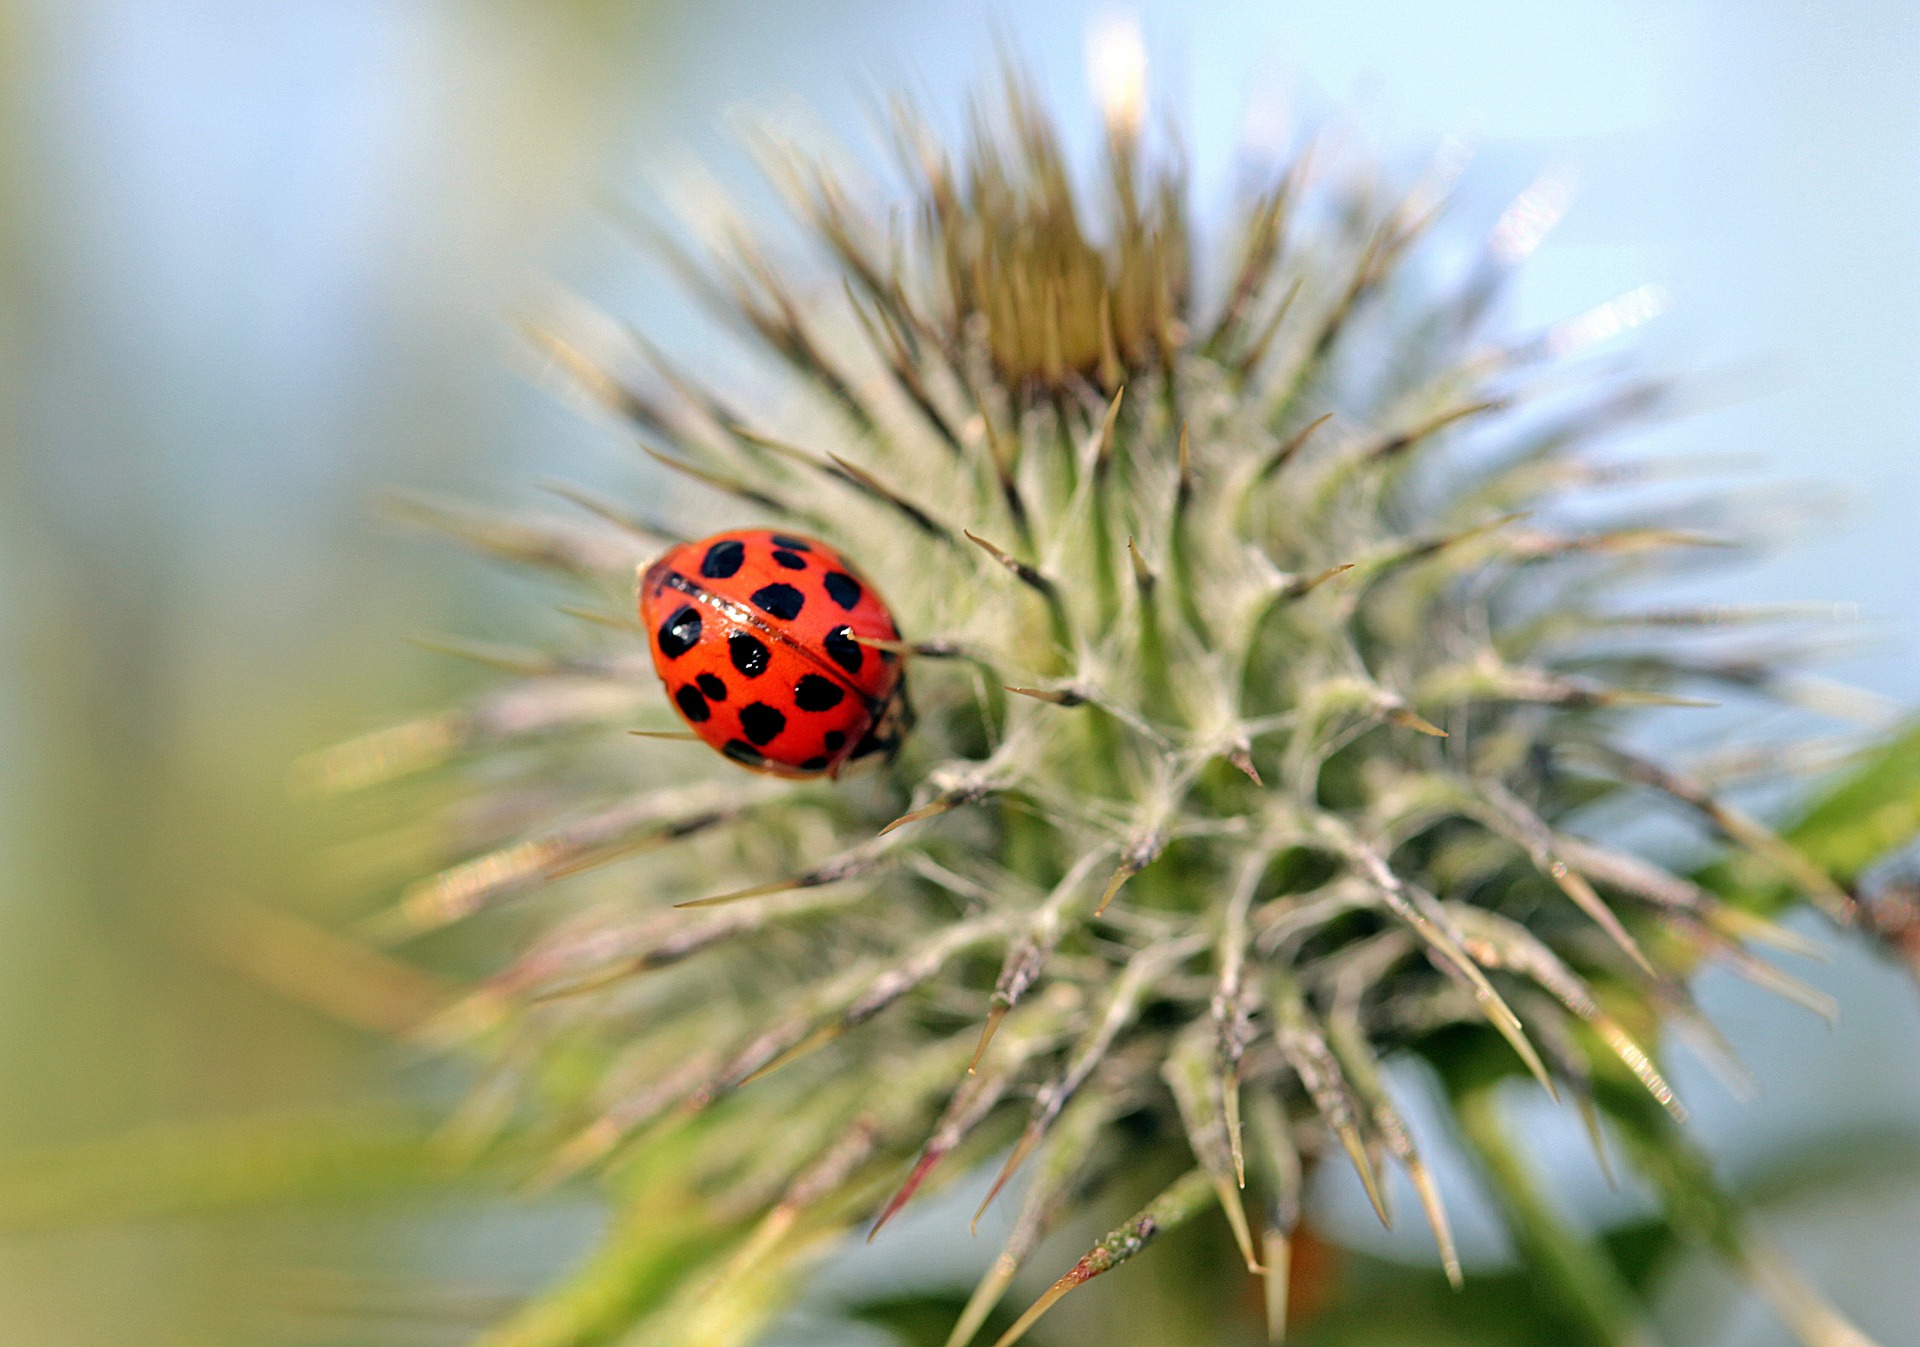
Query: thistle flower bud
1313, 692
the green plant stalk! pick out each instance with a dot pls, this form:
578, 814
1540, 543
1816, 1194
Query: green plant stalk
1579, 1276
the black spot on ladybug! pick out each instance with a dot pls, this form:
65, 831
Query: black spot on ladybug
713, 686
814, 693
843, 589
843, 650
835, 741
792, 544
743, 753
781, 601
748, 654
681, 632
761, 723
723, 559
793, 561
814, 765
692, 705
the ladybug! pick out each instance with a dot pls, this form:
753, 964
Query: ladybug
753, 635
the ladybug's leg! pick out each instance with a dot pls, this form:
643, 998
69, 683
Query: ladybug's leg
889, 729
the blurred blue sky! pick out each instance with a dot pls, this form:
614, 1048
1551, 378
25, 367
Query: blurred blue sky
268, 253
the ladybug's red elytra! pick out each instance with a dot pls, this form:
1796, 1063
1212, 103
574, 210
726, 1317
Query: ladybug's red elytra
754, 635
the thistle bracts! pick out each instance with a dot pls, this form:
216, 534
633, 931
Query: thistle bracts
1265, 618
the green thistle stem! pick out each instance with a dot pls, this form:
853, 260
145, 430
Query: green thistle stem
665, 1229
1585, 1284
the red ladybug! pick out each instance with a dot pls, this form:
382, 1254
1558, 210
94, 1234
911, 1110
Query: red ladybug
753, 636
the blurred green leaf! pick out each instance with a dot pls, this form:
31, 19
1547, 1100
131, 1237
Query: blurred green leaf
1874, 810
197, 1169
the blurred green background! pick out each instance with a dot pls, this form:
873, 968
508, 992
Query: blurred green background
260, 260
